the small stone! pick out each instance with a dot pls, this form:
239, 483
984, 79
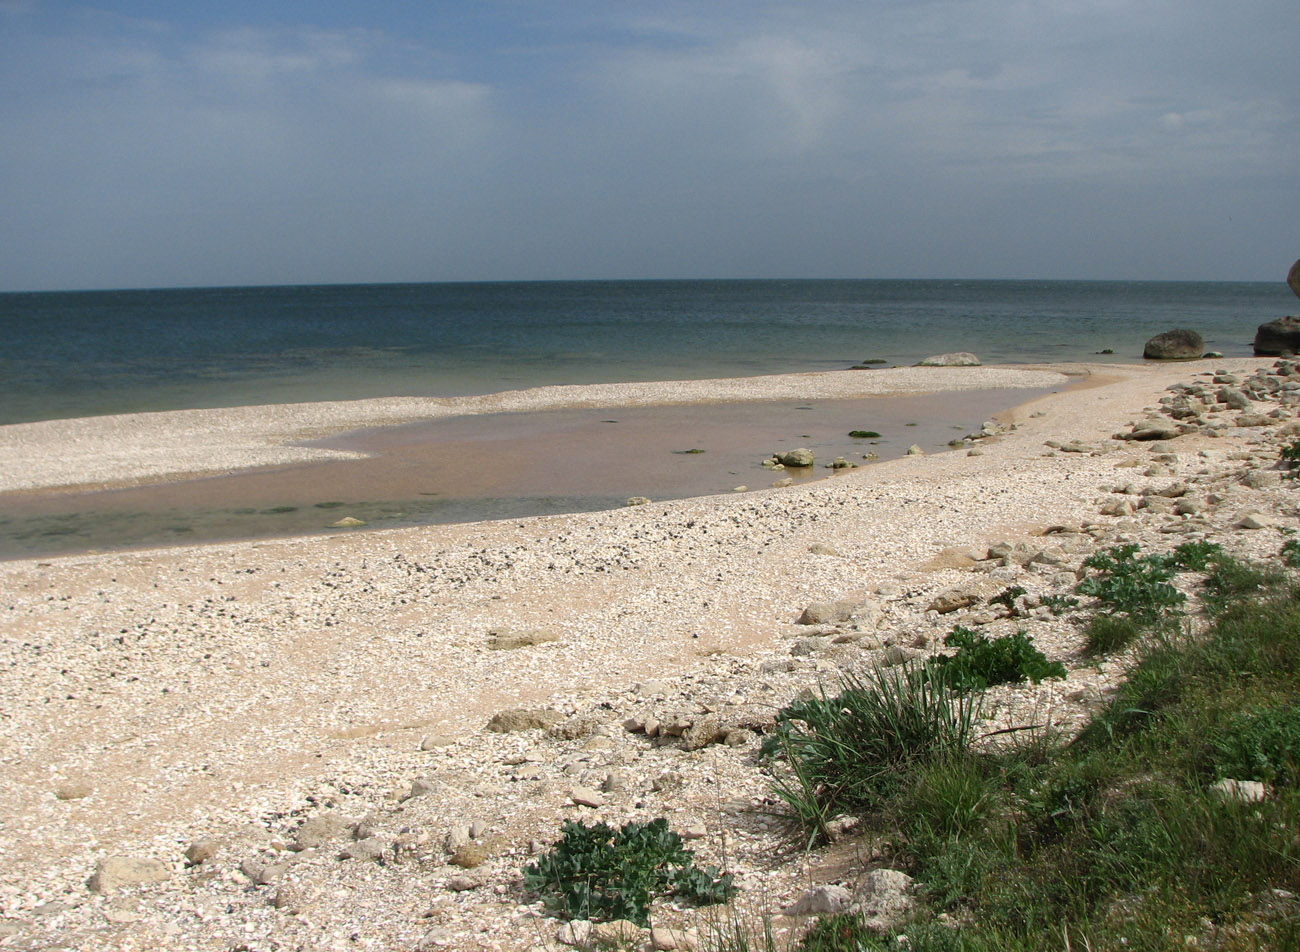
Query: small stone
739, 737
1255, 520
818, 548
694, 831
520, 719
1240, 791
783, 483
288, 898
463, 883
915, 450
575, 933
421, 788
434, 741
371, 848
470, 856
477, 829
113, 872
586, 797
664, 939
347, 522
638, 500
507, 639
200, 851
320, 830
800, 458
820, 901
75, 790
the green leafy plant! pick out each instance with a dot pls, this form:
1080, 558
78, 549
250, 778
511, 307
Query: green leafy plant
1008, 597
1197, 556
1132, 585
1260, 745
980, 662
1291, 553
1290, 457
1060, 604
597, 872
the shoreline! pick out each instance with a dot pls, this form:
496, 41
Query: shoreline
226, 693
130, 449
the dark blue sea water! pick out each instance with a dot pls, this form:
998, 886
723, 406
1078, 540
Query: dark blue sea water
88, 353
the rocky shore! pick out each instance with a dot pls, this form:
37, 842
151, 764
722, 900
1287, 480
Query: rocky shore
358, 742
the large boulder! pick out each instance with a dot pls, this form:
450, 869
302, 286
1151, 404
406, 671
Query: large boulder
1280, 338
1293, 278
1178, 344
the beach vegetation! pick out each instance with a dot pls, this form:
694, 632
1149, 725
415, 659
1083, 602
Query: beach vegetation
864, 434
1290, 553
1059, 604
1290, 459
980, 661
1008, 596
1126, 583
598, 872
1117, 837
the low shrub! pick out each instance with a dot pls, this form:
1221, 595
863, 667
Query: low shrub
1290, 459
597, 872
1196, 556
1290, 553
1128, 584
981, 662
1260, 745
1107, 633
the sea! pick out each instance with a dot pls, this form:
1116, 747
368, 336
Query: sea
86, 353
76, 354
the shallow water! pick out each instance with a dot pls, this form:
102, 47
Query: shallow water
499, 466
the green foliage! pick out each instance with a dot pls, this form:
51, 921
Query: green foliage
855, 749
1135, 586
1291, 553
980, 662
864, 434
1260, 745
1229, 581
1060, 604
1107, 633
1197, 556
597, 872
1290, 458
1008, 597
839, 933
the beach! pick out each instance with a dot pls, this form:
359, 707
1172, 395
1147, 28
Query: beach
211, 699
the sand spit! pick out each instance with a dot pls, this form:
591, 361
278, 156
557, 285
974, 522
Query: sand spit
130, 448
284, 743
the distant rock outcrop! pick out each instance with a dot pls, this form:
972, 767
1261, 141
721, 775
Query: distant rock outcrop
958, 359
1293, 278
1178, 344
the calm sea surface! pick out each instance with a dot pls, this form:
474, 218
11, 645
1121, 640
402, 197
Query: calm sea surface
88, 353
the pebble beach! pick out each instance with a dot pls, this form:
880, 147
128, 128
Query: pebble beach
357, 741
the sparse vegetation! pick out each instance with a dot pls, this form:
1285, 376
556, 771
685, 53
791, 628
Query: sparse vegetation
597, 872
1133, 585
1290, 459
1115, 839
981, 662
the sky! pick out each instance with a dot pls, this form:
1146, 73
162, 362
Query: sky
182, 144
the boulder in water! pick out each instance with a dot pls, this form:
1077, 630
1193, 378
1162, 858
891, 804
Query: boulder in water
1178, 344
1280, 338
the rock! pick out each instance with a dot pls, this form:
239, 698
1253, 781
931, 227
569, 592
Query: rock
1179, 344
586, 797
371, 848
576, 933
618, 934
827, 613
1240, 791
434, 741
1255, 520
820, 901
288, 898
738, 737
707, 730
114, 872
75, 790
952, 600
1233, 398
915, 450
956, 359
470, 855
1293, 278
200, 851
508, 639
1154, 428
347, 522
477, 829
421, 788
894, 656
521, 719
884, 899
799, 458
320, 830
663, 939
783, 483
638, 500
1280, 338
463, 883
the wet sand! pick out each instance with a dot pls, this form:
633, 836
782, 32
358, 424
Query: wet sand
492, 466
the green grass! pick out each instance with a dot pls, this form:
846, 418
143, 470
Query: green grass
1115, 839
